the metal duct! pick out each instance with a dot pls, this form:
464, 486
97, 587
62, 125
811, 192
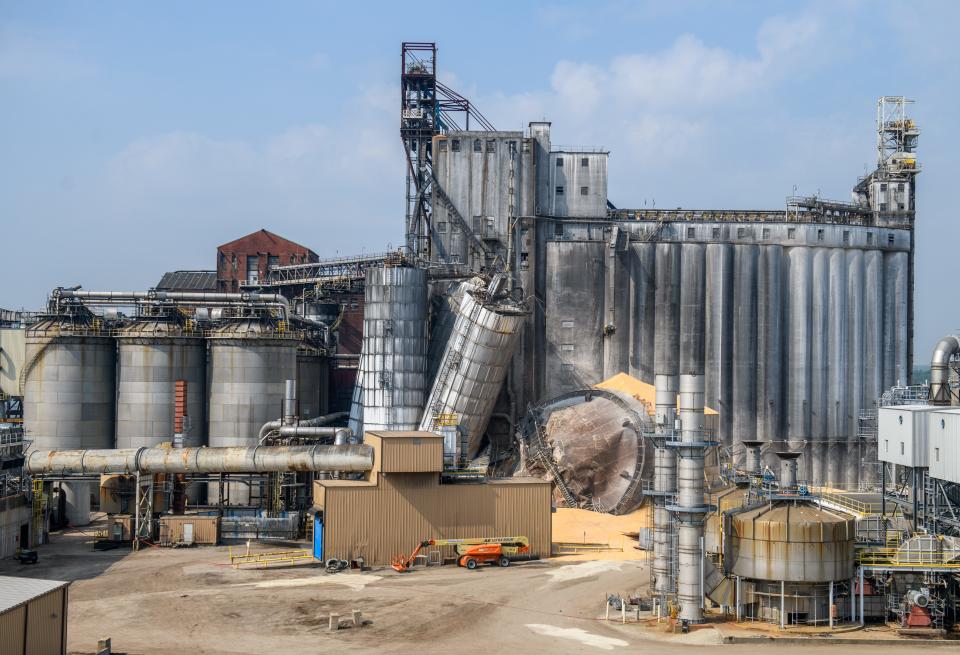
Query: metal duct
788, 470
258, 459
946, 348
302, 427
752, 457
290, 402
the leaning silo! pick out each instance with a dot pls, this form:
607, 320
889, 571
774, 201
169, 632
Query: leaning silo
250, 360
152, 355
69, 385
474, 365
393, 361
443, 314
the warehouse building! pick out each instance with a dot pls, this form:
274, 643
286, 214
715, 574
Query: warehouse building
404, 501
33, 616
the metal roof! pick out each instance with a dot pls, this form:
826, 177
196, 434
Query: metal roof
188, 281
17, 591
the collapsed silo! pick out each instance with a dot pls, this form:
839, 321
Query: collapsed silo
445, 304
590, 443
474, 364
392, 379
250, 360
69, 385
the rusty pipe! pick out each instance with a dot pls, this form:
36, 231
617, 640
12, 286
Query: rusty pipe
255, 459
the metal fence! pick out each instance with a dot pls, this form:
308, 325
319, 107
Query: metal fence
260, 527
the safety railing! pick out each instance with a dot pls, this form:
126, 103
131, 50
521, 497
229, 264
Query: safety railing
912, 559
265, 559
852, 505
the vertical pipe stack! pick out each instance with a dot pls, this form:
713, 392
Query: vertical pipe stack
690, 506
798, 347
855, 365
819, 358
770, 383
744, 341
666, 369
837, 349
719, 332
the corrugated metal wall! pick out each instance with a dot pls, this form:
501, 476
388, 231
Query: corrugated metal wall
47, 623
379, 521
206, 529
420, 452
14, 512
13, 629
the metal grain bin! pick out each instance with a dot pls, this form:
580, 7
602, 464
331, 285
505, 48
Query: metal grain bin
474, 366
393, 363
152, 356
793, 542
250, 360
69, 386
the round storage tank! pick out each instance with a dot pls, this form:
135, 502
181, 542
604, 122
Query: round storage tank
250, 361
152, 356
68, 387
793, 542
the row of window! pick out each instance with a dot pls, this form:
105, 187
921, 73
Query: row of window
584, 162
584, 191
253, 261
791, 234
478, 145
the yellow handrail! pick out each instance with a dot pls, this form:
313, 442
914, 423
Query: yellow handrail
895, 557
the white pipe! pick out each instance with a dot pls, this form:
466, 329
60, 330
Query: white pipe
940, 369
192, 296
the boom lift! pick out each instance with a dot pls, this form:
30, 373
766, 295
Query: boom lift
470, 552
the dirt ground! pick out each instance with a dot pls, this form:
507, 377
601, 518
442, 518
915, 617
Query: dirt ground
191, 600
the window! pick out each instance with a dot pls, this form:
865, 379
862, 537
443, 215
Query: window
936, 454
765, 234
820, 235
584, 162
455, 145
441, 226
477, 145
869, 238
890, 238
559, 190
253, 268
886, 445
901, 448
477, 224
741, 232
443, 145
883, 206
900, 186
791, 233
512, 145
559, 162
846, 236
272, 260
716, 233
584, 191
691, 233
566, 368
566, 347
558, 229
883, 187
566, 324
491, 145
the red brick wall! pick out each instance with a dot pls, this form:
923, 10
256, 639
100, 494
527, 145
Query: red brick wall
232, 257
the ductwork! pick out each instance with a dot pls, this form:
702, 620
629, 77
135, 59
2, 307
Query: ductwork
314, 422
946, 348
257, 459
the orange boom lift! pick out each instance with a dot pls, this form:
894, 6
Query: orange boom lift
470, 552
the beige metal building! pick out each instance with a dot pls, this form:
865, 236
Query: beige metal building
405, 502
33, 616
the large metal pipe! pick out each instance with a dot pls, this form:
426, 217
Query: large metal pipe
946, 348
690, 507
666, 369
258, 459
187, 296
314, 422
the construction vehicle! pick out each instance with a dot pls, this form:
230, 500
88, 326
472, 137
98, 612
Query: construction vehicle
470, 552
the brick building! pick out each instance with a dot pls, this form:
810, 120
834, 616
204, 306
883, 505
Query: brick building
248, 258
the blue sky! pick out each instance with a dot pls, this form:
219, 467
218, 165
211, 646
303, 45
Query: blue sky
138, 136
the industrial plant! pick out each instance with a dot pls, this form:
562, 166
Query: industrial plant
744, 378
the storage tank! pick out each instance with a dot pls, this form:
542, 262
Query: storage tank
69, 385
393, 361
793, 542
250, 360
474, 365
152, 355
312, 383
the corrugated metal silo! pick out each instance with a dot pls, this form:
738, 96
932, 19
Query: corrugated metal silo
69, 384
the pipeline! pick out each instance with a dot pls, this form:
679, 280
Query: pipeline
315, 422
940, 369
255, 459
